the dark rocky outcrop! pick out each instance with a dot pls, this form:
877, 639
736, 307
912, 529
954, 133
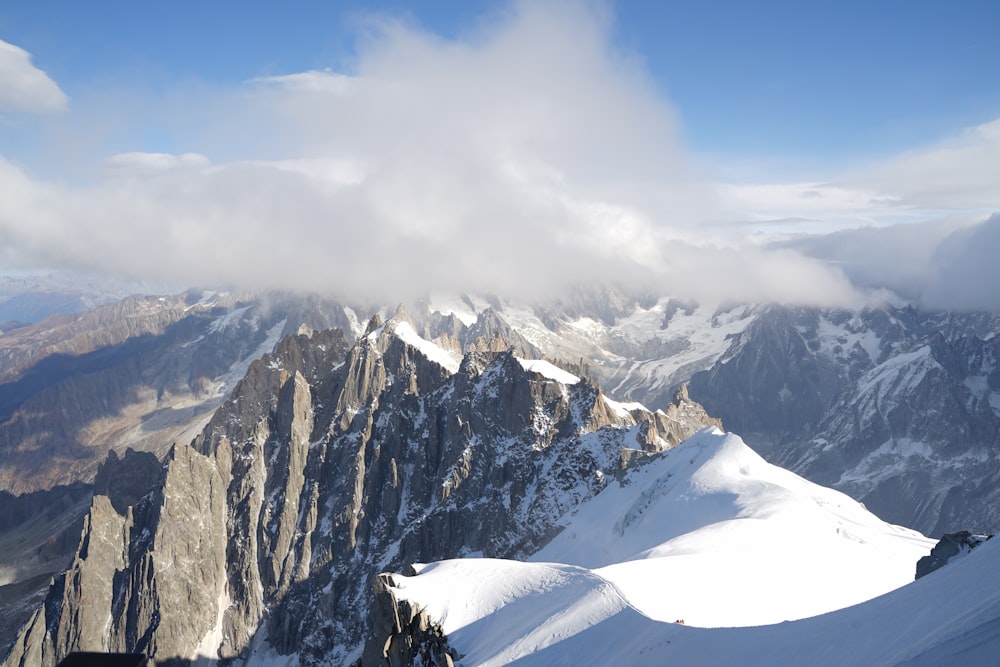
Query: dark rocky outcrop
400, 634
949, 546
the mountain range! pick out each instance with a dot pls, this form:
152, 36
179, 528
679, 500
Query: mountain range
226, 475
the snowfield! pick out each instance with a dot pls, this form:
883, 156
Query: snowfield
711, 535
548, 370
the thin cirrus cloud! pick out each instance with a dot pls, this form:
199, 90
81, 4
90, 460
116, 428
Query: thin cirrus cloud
956, 174
953, 176
24, 87
520, 159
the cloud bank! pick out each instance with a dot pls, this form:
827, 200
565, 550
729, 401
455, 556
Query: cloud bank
522, 158
24, 87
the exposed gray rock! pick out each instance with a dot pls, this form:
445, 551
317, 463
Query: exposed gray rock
896, 407
949, 546
324, 467
401, 634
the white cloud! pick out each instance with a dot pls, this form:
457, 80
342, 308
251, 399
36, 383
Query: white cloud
521, 159
24, 87
139, 160
957, 174
918, 224
524, 157
827, 206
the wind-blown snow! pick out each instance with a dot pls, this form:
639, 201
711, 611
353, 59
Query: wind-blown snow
708, 533
447, 358
549, 370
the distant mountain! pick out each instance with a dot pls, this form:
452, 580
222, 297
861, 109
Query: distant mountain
463, 426
143, 372
898, 407
30, 299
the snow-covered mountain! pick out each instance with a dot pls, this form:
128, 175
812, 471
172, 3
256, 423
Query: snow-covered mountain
463, 426
710, 511
894, 406
707, 534
898, 407
488, 612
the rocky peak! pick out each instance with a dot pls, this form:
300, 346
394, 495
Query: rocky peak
402, 633
325, 466
951, 546
492, 333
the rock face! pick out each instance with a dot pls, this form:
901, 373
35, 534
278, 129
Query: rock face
141, 373
326, 465
950, 546
39, 533
400, 634
898, 408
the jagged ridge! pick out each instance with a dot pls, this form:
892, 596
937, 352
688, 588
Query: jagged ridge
321, 470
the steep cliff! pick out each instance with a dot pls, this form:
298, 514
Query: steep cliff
328, 465
897, 407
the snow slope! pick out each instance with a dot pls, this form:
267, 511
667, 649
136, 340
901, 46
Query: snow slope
708, 533
776, 546
449, 359
949, 617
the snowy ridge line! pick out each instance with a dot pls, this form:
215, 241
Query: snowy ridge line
548, 370
625, 409
718, 538
956, 624
451, 360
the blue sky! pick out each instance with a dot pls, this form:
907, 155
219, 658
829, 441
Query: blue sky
645, 142
810, 81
